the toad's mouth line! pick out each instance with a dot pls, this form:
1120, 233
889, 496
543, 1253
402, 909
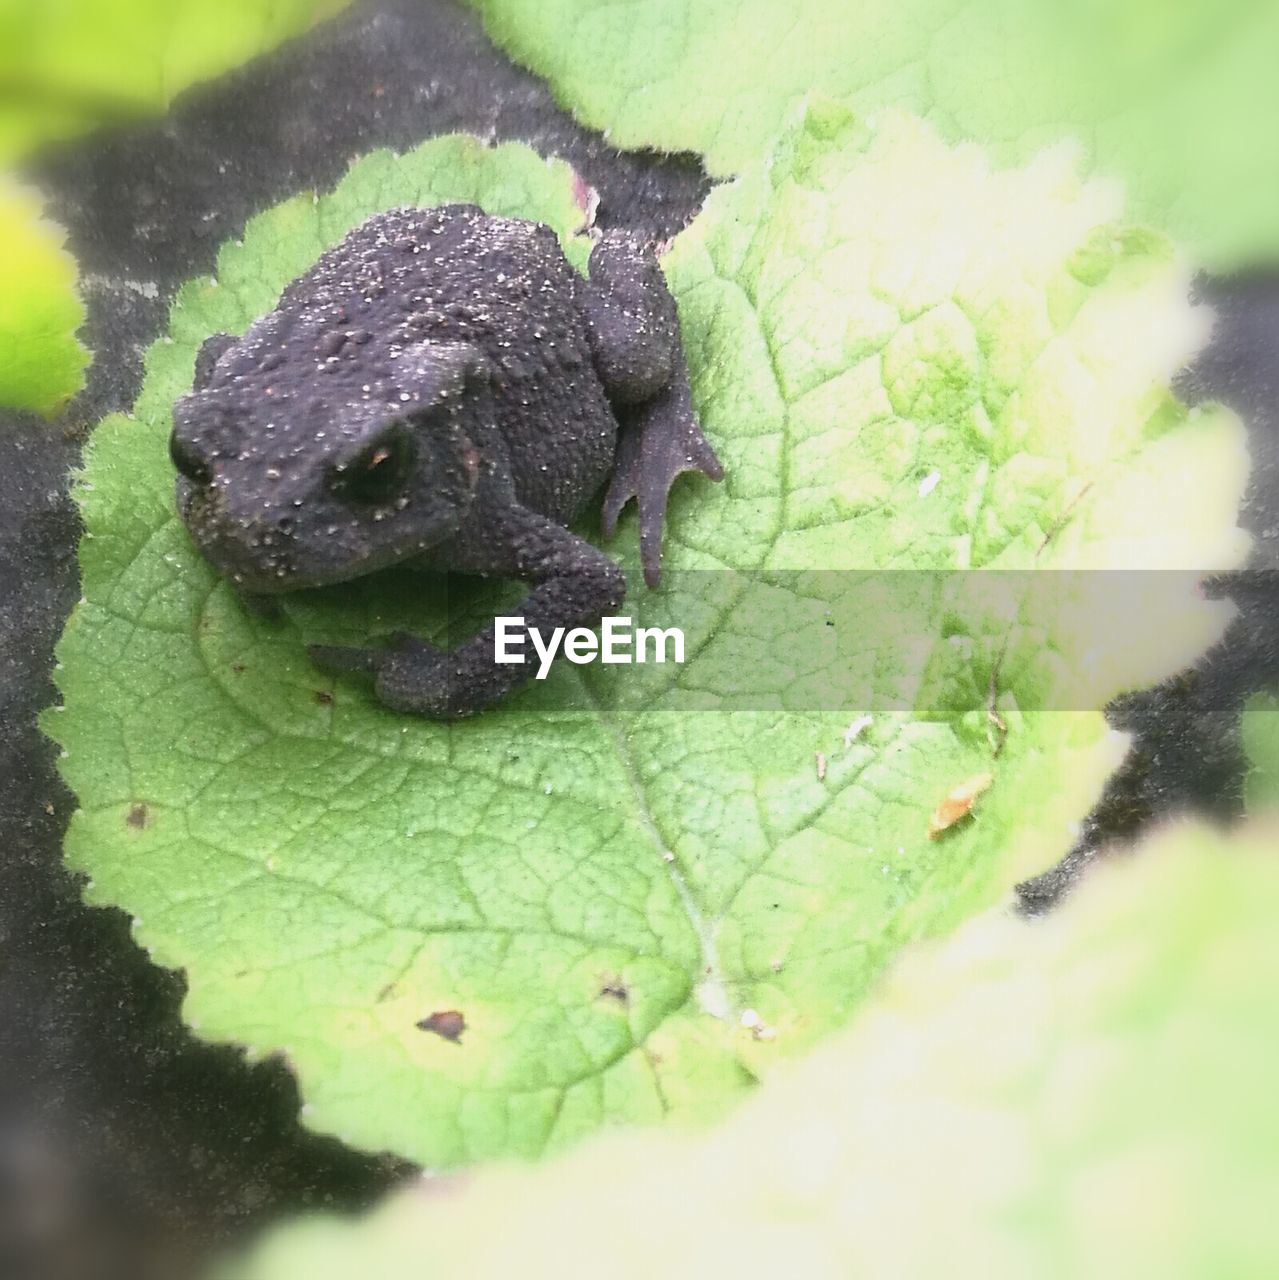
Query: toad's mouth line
279, 564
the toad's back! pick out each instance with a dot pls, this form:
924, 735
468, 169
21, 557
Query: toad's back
456, 274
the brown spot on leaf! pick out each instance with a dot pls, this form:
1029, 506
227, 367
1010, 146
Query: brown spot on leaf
238, 668
448, 1024
324, 697
138, 817
587, 199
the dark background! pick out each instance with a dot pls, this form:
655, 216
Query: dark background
127, 1148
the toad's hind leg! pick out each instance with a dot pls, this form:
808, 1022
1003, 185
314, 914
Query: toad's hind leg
635, 341
574, 584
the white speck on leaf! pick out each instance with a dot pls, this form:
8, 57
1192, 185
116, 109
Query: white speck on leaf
713, 998
856, 729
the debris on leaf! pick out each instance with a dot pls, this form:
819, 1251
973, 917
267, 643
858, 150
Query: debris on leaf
448, 1024
613, 988
957, 803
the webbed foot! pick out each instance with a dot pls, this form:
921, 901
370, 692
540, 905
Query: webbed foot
660, 441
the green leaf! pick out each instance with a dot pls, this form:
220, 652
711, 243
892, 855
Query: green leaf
41, 362
1166, 97
607, 873
69, 66
1090, 1095
1261, 745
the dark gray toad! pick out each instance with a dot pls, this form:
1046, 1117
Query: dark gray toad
442, 389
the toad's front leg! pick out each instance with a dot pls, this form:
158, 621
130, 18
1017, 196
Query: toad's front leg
575, 585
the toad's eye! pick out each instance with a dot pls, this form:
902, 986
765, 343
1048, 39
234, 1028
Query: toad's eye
188, 459
379, 471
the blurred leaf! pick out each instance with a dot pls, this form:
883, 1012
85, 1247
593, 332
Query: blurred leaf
1261, 745
603, 876
41, 362
1174, 99
1087, 1096
70, 65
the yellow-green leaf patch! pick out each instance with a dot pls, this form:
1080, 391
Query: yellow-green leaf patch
41, 361
74, 64
1171, 99
1089, 1095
